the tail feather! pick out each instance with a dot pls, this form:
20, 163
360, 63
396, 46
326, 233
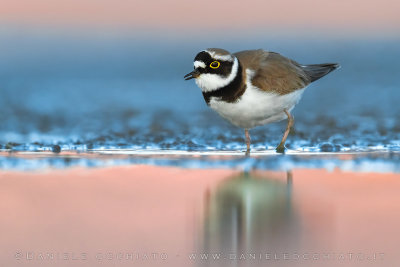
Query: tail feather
317, 71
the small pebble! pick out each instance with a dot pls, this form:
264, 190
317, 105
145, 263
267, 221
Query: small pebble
327, 147
56, 149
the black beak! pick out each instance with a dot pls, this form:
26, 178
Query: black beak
193, 74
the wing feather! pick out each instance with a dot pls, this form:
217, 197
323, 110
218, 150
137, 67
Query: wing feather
273, 72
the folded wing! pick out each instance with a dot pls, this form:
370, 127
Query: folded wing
275, 73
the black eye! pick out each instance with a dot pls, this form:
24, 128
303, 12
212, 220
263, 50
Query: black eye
214, 65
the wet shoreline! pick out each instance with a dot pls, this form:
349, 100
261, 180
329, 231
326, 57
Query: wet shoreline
371, 161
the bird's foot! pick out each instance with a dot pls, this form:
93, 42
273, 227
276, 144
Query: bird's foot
280, 149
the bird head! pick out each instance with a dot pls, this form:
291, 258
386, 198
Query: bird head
214, 68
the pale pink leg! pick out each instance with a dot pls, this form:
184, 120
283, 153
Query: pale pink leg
281, 146
248, 140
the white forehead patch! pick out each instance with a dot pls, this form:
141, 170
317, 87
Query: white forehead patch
210, 82
220, 57
199, 64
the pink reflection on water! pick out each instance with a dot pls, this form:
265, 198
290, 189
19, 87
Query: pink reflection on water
122, 215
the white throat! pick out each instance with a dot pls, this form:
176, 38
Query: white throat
211, 82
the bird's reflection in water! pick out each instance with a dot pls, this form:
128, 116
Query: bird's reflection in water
250, 214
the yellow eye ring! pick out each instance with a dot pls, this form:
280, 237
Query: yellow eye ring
215, 65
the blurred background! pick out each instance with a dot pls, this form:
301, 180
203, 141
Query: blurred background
99, 74
109, 74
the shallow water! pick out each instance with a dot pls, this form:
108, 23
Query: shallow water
377, 162
120, 104
100, 93
164, 216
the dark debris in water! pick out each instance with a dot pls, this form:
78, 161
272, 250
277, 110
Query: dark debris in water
205, 131
168, 130
56, 149
329, 147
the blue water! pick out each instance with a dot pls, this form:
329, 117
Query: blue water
63, 92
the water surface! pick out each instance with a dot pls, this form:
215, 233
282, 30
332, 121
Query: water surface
94, 93
164, 216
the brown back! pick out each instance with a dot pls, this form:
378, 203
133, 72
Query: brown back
273, 72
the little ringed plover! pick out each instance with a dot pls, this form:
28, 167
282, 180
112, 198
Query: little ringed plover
254, 87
